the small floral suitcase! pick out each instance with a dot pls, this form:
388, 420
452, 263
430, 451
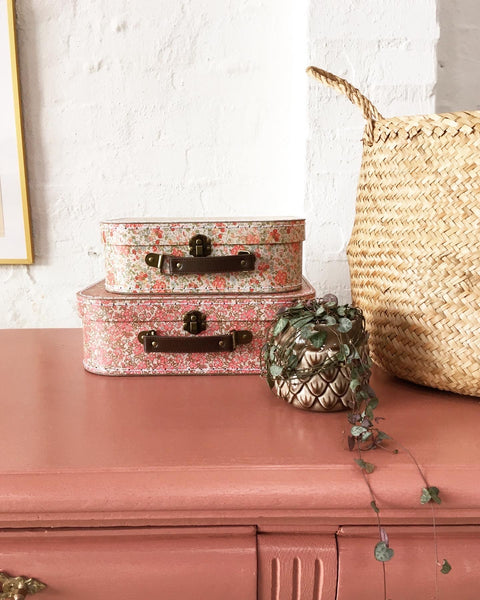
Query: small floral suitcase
205, 256
177, 334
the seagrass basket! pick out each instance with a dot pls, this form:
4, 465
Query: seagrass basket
414, 252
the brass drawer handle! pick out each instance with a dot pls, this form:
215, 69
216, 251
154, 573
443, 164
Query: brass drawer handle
17, 588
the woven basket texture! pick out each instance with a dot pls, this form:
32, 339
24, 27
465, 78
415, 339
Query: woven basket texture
414, 253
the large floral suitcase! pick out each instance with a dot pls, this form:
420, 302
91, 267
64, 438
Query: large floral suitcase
204, 256
159, 334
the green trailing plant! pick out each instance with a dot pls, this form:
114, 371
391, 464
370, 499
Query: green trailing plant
306, 323
365, 435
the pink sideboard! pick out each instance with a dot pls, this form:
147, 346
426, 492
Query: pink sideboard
211, 487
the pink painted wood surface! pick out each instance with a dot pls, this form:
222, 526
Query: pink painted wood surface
411, 573
171, 564
81, 449
297, 566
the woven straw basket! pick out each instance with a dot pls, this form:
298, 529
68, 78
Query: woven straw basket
414, 254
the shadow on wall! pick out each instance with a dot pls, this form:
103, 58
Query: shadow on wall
458, 55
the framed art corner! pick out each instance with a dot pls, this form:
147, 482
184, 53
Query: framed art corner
15, 228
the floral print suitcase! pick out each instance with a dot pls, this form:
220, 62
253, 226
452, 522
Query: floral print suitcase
159, 334
204, 256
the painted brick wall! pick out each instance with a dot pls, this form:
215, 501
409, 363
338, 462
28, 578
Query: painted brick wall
199, 107
386, 48
145, 108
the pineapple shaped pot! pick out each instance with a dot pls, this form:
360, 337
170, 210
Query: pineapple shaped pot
315, 351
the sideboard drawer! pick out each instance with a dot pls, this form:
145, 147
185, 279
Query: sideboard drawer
297, 565
411, 571
167, 563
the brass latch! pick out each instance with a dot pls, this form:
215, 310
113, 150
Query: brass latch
200, 245
194, 322
143, 334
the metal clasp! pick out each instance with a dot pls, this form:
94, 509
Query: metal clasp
200, 245
194, 322
143, 334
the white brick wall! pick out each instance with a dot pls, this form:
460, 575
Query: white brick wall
199, 107
386, 48
149, 107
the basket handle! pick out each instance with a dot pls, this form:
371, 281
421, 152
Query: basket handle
369, 111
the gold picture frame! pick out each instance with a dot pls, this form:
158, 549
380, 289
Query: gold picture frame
15, 234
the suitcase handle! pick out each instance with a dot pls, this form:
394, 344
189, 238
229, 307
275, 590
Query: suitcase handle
152, 342
183, 265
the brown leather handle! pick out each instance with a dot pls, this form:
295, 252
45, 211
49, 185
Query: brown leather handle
202, 343
184, 265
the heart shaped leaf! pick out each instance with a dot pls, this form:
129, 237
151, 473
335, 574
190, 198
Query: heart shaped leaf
275, 370
344, 325
446, 567
382, 552
318, 338
357, 430
280, 325
430, 494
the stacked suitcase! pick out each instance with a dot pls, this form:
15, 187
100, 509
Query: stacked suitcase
193, 297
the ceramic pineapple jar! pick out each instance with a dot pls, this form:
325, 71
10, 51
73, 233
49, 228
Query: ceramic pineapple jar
323, 356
